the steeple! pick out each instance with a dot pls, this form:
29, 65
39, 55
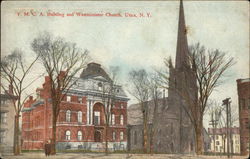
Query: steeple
182, 44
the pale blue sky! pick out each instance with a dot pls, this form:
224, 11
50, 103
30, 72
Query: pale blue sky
135, 42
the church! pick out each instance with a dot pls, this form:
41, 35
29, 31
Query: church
81, 121
174, 131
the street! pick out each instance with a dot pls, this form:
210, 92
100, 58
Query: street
40, 155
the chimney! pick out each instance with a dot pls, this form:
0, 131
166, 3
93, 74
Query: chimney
47, 80
30, 97
10, 91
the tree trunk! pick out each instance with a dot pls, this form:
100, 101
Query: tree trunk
53, 139
106, 139
151, 143
16, 147
145, 136
199, 138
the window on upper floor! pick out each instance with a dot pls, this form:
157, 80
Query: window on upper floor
96, 118
3, 101
79, 135
68, 98
217, 142
3, 118
2, 136
122, 106
68, 115
79, 116
99, 86
79, 99
112, 119
217, 137
113, 135
121, 120
121, 135
67, 135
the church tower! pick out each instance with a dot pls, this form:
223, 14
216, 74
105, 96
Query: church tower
182, 85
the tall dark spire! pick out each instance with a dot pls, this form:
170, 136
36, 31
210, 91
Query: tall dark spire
182, 44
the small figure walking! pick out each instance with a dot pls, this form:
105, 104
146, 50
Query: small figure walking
47, 148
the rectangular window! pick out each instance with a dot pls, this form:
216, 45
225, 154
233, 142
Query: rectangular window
3, 101
217, 137
2, 136
217, 142
97, 118
68, 98
79, 99
113, 119
3, 118
122, 106
121, 135
121, 120
113, 134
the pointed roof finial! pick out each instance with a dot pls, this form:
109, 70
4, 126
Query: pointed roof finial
182, 44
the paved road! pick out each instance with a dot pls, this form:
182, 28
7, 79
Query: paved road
40, 155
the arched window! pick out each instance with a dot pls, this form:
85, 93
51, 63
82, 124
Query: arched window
99, 86
113, 135
113, 119
135, 137
121, 120
68, 114
172, 129
67, 134
121, 135
79, 116
79, 135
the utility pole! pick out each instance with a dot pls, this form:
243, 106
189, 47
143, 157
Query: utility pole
230, 122
213, 122
226, 103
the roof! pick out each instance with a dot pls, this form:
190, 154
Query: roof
93, 70
135, 113
7, 96
243, 80
220, 131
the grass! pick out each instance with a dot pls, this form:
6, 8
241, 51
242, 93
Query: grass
23, 151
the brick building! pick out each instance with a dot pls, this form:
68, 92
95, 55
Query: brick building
174, 130
243, 86
81, 119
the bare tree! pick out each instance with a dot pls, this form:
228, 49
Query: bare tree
62, 61
109, 98
209, 67
14, 72
154, 95
139, 89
